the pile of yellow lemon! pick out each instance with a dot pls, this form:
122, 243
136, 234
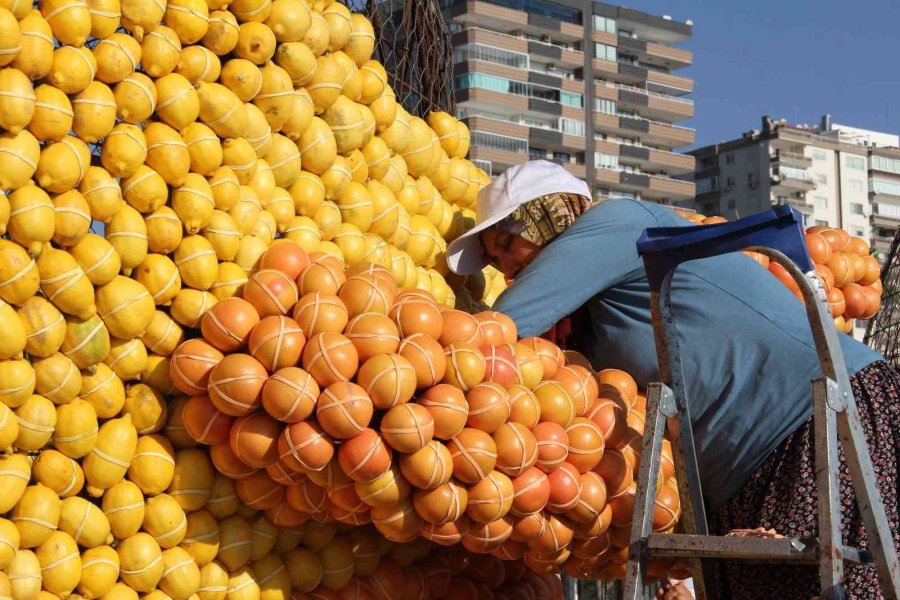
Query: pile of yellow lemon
197, 132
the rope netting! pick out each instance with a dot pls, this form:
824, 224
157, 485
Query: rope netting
414, 45
883, 330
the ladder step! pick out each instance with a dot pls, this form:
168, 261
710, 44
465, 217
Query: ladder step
783, 550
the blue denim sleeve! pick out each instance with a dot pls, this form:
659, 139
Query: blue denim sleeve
596, 253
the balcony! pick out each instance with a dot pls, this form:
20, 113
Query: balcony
786, 181
790, 159
668, 81
654, 159
477, 35
882, 243
535, 17
575, 169
669, 189
885, 215
654, 105
650, 132
783, 143
672, 58
500, 159
653, 27
540, 51
884, 190
503, 95
797, 202
632, 74
541, 136
657, 188
654, 53
496, 126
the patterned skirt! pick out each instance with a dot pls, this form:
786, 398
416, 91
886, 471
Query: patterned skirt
781, 494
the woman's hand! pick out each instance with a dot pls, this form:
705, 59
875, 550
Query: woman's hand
674, 590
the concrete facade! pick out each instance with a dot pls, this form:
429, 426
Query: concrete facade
585, 84
827, 172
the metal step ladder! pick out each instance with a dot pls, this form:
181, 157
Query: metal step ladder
777, 234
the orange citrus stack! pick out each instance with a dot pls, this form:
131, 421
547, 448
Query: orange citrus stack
331, 397
849, 273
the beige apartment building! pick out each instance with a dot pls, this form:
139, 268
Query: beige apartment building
833, 174
591, 86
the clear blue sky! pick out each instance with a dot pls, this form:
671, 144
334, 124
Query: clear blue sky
796, 59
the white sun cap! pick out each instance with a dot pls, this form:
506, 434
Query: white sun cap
496, 201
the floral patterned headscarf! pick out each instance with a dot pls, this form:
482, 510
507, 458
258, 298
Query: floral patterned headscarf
541, 220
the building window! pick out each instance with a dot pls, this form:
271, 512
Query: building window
562, 157
819, 155
729, 183
605, 52
604, 24
607, 107
490, 54
881, 186
821, 223
858, 232
751, 180
626, 195
627, 59
820, 202
482, 139
793, 173
518, 88
571, 99
891, 165
855, 162
729, 159
606, 161
823, 179
888, 210
856, 185
856, 208
707, 184
536, 153
571, 127
732, 204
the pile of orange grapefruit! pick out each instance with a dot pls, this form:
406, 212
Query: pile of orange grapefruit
329, 396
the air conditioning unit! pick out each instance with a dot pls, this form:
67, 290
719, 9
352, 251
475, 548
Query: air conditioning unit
551, 66
545, 38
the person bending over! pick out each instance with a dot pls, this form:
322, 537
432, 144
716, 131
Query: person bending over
746, 347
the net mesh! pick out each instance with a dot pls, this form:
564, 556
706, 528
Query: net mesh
414, 45
883, 330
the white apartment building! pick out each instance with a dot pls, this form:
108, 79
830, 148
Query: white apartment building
833, 174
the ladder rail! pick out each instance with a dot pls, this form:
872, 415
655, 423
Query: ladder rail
835, 412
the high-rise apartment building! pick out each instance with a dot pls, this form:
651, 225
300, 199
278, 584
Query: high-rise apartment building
586, 84
833, 174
